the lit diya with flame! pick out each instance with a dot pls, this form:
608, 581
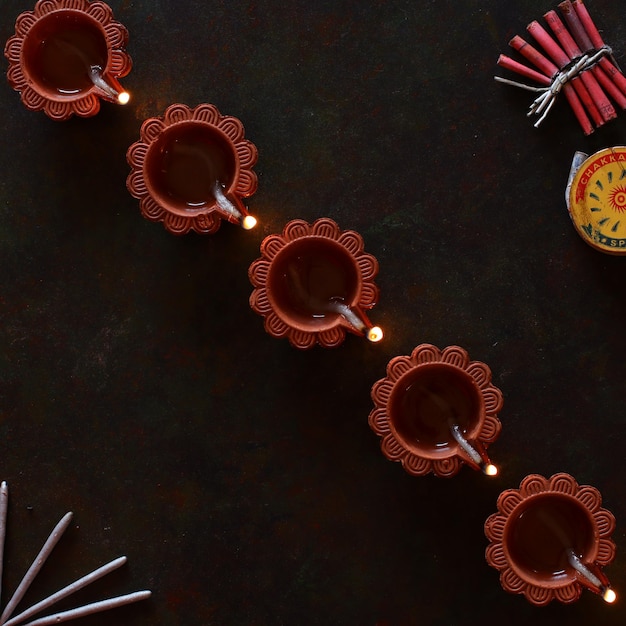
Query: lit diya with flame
313, 283
437, 410
550, 538
191, 168
67, 55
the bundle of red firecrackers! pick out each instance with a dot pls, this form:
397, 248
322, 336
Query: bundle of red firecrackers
580, 64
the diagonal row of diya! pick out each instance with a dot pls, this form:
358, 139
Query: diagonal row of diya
435, 410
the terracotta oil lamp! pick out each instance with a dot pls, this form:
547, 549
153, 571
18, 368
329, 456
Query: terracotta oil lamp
67, 55
550, 538
313, 283
191, 168
436, 410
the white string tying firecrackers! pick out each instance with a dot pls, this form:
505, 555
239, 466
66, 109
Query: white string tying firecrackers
543, 103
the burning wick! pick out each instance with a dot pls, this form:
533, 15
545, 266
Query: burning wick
248, 222
95, 74
487, 468
374, 334
606, 592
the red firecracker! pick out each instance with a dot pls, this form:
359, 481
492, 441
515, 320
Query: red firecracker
576, 62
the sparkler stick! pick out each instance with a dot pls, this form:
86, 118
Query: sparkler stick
67, 591
90, 609
44, 553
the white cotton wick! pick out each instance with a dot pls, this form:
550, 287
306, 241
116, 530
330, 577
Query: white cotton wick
487, 468
224, 203
352, 318
374, 334
607, 593
122, 97
582, 569
229, 208
469, 450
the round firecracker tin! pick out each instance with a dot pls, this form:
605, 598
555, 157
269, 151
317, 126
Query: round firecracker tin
596, 199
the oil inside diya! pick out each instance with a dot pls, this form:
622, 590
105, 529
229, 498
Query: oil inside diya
435, 411
314, 282
66, 53
189, 166
543, 531
63, 60
550, 538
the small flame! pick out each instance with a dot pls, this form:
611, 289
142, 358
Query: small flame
110, 88
609, 595
249, 222
375, 334
490, 470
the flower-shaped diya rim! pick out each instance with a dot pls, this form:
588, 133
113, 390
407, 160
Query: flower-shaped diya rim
96, 17
328, 330
484, 429
502, 530
228, 132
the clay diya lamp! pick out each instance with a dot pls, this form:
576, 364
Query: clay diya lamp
67, 55
550, 538
313, 283
191, 168
437, 410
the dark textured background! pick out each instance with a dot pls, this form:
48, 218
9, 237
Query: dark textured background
139, 390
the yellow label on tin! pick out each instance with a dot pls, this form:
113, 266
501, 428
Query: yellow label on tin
597, 200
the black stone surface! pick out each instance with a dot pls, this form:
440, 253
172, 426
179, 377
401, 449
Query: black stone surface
240, 476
